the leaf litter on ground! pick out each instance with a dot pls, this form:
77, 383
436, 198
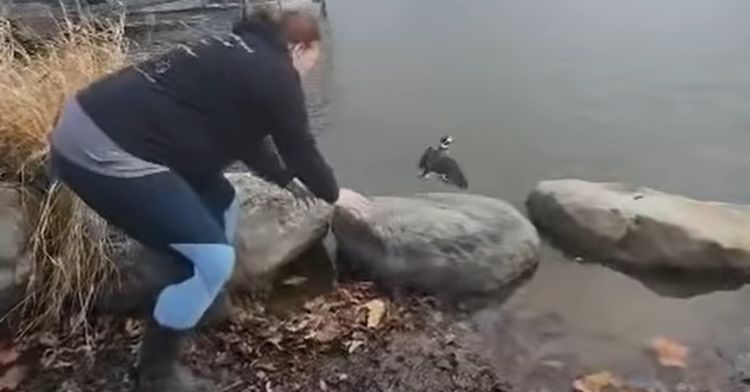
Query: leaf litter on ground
326, 339
347, 319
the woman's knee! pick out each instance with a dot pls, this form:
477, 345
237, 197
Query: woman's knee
214, 263
182, 305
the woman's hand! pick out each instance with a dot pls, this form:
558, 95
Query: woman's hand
301, 193
354, 203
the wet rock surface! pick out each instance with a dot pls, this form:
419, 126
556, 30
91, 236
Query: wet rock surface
455, 246
643, 229
274, 228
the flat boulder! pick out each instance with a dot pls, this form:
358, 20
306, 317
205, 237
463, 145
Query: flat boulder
446, 244
642, 229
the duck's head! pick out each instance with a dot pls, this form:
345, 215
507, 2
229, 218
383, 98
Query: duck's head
445, 142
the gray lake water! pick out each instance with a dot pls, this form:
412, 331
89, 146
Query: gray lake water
653, 92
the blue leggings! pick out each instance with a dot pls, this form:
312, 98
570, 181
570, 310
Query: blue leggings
164, 212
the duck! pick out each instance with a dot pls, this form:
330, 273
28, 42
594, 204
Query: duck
437, 160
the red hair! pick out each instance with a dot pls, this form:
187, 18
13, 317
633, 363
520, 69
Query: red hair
297, 27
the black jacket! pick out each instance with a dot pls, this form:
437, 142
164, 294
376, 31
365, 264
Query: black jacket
201, 107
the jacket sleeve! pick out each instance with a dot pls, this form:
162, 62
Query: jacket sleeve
265, 162
287, 121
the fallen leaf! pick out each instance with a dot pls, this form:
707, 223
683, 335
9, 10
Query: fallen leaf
670, 353
276, 342
375, 313
12, 377
327, 333
598, 382
354, 345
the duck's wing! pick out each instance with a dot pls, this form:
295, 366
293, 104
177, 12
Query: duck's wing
425, 158
448, 167
459, 179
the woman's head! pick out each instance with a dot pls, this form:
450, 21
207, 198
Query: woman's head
301, 31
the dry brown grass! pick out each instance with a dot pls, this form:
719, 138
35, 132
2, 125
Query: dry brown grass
68, 243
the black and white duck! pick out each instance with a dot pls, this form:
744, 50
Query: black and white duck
437, 160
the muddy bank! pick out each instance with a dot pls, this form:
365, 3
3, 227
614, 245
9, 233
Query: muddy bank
314, 334
352, 339
355, 339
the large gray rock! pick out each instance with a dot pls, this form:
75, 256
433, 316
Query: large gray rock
448, 244
641, 228
15, 261
273, 230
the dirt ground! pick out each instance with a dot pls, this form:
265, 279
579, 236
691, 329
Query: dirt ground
347, 337
352, 339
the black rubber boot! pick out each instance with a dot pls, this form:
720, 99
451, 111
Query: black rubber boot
219, 312
158, 366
